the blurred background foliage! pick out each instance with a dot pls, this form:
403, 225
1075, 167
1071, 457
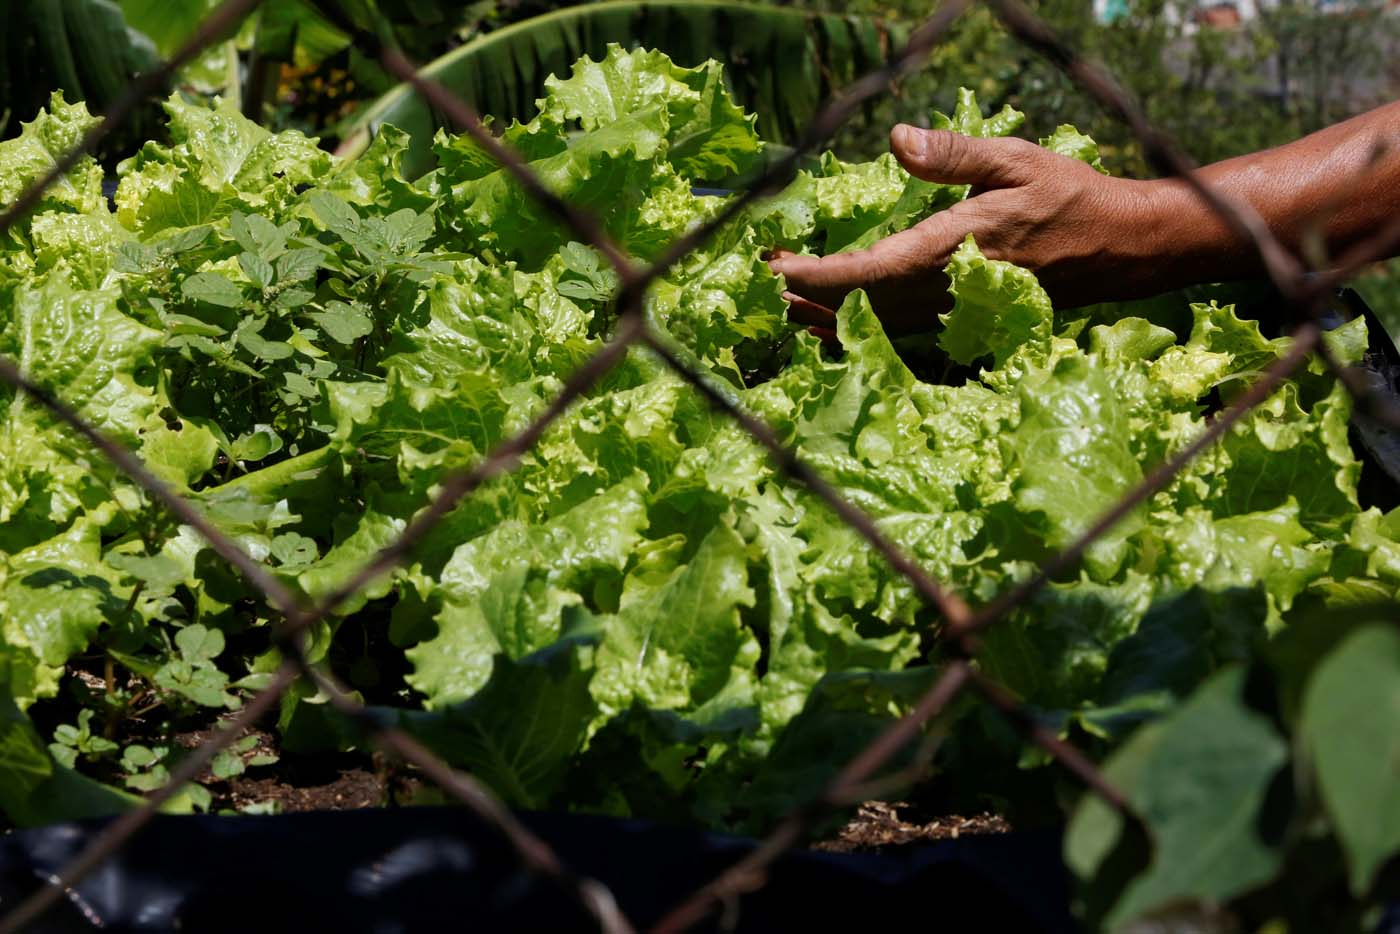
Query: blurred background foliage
1220, 84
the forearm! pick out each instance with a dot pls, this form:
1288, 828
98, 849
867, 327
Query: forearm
1341, 183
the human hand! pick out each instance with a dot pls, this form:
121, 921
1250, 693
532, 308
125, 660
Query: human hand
1088, 237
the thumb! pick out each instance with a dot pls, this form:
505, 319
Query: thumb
945, 156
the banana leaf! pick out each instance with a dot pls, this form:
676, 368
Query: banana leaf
169, 25
84, 47
782, 63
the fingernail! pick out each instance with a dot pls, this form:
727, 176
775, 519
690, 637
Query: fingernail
908, 139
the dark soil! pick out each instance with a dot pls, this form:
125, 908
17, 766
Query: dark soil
345, 781
324, 782
338, 782
342, 781
349, 788
879, 825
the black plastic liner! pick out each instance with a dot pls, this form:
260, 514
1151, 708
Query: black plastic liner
431, 869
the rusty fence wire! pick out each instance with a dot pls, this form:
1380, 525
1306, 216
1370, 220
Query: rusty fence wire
1305, 292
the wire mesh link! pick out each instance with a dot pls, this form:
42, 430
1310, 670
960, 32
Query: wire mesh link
1382, 244
534, 853
748, 873
1286, 270
581, 222
257, 574
460, 485
221, 20
954, 609
1305, 340
112, 837
960, 623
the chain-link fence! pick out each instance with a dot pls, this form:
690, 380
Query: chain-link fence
1305, 292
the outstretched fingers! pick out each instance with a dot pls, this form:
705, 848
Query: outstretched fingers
902, 258
954, 159
903, 273
825, 280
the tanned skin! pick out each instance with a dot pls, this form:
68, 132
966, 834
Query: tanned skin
1092, 238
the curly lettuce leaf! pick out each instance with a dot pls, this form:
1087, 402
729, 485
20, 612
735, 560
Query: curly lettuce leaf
30, 156
709, 137
81, 347
219, 161
678, 641
508, 591
998, 309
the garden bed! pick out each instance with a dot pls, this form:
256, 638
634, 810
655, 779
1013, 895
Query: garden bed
641, 602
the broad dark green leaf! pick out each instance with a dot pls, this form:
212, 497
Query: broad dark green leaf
1198, 779
213, 288
258, 270
519, 731
1350, 730
344, 323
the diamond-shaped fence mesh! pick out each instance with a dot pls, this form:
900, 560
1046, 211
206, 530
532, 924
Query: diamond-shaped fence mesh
960, 624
